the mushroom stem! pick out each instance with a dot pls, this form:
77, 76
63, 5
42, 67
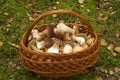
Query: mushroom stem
54, 48
36, 49
64, 28
67, 49
80, 40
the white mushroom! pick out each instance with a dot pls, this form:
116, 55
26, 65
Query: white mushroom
90, 41
36, 34
75, 30
40, 35
84, 46
34, 31
40, 44
67, 49
80, 40
54, 48
63, 27
77, 48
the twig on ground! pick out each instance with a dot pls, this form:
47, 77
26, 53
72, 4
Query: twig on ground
13, 44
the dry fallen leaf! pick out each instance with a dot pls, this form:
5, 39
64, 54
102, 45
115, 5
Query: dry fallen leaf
111, 40
54, 15
28, 6
102, 69
31, 18
113, 53
99, 78
117, 49
88, 10
10, 20
5, 13
103, 42
118, 34
111, 72
81, 1
82, 6
105, 18
54, 7
11, 65
1, 43
22, 26
12, 35
117, 69
12, 76
110, 47
18, 67
57, 2
9, 25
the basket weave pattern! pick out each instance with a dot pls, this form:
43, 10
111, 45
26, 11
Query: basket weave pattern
59, 65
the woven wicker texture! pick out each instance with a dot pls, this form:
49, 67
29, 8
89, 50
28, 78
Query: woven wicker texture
59, 65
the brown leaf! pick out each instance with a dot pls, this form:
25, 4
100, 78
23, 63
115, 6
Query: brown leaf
111, 40
82, 6
110, 47
28, 6
54, 15
102, 69
103, 42
9, 25
54, 7
111, 72
1, 43
5, 13
117, 69
11, 65
37, 13
99, 78
57, 2
113, 53
12, 35
10, 20
105, 18
88, 10
81, 1
18, 67
12, 76
117, 49
22, 26
118, 34
31, 18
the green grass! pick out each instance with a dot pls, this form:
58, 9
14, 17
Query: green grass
15, 9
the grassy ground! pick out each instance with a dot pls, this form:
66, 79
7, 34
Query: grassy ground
17, 15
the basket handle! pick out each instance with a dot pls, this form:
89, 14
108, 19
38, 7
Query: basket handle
85, 21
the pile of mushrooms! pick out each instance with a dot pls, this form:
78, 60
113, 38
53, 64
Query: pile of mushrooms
60, 39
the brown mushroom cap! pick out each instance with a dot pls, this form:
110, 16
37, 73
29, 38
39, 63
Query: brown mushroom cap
50, 31
59, 34
48, 42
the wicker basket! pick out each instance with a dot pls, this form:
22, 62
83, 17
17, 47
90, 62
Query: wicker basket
61, 65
